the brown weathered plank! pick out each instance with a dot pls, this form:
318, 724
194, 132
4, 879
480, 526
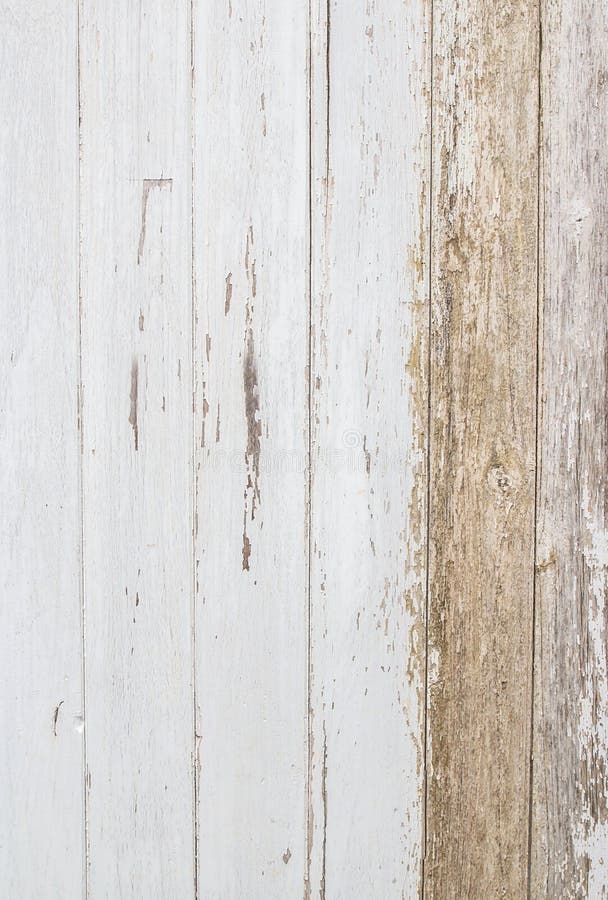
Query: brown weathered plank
570, 786
483, 359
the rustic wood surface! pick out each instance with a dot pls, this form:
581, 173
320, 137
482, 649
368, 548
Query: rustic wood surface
369, 336
136, 412
482, 440
251, 407
41, 699
304, 546
570, 775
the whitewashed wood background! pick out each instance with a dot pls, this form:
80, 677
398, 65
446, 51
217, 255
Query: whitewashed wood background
303, 405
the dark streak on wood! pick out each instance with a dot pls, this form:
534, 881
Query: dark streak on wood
133, 398
246, 548
205, 413
248, 244
252, 408
324, 798
56, 716
328, 88
367, 454
228, 293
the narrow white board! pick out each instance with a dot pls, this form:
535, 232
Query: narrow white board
252, 328
137, 420
370, 166
41, 761
570, 772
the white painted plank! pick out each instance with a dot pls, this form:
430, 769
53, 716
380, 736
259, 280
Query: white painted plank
370, 135
570, 784
250, 225
136, 371
41, 768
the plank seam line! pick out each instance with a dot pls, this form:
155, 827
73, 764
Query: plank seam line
539, 174
85, 758
328, 98
429, 211
193, 476
307, 887
323, 873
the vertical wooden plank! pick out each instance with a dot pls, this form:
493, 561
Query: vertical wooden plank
484, 249
250, 221
370, 168
570, 795
42, 826
136, 372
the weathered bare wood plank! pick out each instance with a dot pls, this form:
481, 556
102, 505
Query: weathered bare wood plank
251, 355
570, 796
41, 705
370, 171
137, 421
484, 249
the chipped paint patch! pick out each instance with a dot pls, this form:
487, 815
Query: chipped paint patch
591, 838
149, 185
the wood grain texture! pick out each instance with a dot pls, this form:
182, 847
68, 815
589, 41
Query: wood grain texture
41, 774
570, 797
137, 419
484, 251
304, 538
370, 167
251, 355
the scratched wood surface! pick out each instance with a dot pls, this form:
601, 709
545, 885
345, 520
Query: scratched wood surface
570, 775
251, 352
303, 453
136, 411
482, 409
41, 699
369, 337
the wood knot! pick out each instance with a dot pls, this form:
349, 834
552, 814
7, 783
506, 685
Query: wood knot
503, 482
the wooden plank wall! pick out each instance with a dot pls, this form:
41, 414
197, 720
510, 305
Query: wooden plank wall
303, 414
